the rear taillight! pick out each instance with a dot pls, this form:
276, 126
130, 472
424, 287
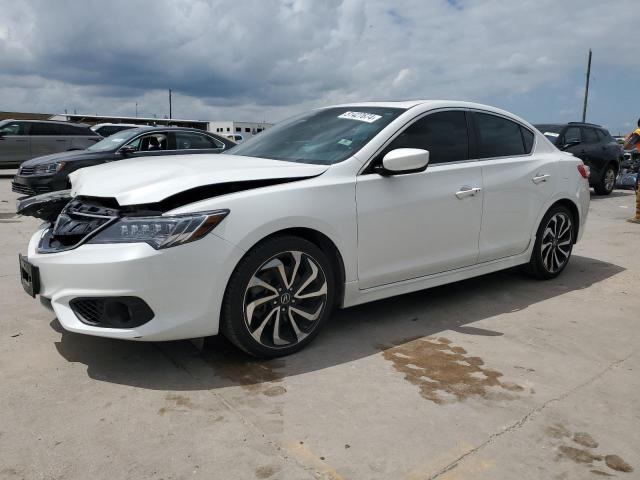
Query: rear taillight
584, 170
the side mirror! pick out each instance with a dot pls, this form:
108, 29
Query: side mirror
126, 151
570, 144
404, 160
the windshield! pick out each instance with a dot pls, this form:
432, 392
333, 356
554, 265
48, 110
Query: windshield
323, 137
115, 141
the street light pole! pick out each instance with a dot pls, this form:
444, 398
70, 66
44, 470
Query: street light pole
586, 90
170, 113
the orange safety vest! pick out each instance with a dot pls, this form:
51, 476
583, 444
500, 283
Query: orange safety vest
635, 133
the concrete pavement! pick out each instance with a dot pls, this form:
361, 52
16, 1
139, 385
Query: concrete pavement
496, 377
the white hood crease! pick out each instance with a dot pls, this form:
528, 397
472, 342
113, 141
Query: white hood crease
152, 179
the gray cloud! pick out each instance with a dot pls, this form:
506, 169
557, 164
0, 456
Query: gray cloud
271, 58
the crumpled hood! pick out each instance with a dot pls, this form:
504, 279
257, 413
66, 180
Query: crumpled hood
152, 179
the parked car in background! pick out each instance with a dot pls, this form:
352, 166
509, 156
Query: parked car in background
591, 143
235, 137
108, 129
338, 206
50, 172
21, 140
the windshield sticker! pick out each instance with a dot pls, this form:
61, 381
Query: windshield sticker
345, 142
552, 134
360, 116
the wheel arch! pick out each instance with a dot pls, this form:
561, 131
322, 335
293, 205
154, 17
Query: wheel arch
324, 243
575, 214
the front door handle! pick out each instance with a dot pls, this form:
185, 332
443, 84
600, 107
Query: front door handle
468, 192
540, 178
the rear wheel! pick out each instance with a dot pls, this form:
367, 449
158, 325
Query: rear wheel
278, 297
554, 243
607, 182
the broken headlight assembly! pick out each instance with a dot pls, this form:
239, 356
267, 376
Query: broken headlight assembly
160, 231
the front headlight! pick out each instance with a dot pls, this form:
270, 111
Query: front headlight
162, 231
49, 167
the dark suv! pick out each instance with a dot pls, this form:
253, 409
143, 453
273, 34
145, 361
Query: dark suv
594, 145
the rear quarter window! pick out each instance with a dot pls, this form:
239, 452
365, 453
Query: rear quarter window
527, 138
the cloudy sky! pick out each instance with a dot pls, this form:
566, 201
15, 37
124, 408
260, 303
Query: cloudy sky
268, 59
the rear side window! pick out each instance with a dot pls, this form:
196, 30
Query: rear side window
527, 138
38, 128
73, 130
498, 137
589, 135
572, 135
195, 141
444, 134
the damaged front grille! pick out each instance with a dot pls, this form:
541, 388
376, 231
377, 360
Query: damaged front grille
80, 220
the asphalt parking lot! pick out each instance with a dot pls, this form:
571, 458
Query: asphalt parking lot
498, 377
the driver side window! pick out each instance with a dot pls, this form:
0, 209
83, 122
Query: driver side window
149, 143
443, 134
13, 128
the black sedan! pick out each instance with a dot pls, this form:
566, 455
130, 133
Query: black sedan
51, 172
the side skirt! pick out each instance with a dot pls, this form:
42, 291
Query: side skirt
354, 296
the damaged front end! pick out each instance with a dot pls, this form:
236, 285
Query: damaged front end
102, 221
73, 221
46, 207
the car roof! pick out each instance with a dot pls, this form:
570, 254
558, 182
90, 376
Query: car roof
574, 124
432, 104
59, 122
117, 125
152, 128
426, 105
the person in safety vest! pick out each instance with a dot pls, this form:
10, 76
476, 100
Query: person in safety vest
633, 142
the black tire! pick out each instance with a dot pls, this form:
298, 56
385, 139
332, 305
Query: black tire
541, 265
258, 336
606, 185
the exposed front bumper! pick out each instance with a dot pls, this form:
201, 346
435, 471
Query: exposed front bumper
183, 285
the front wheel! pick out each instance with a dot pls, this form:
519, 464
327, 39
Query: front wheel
554, 243
278, 297
607, 182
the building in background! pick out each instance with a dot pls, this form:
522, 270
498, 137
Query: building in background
94, 119
229, 128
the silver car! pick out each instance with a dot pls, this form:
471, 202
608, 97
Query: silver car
21, 140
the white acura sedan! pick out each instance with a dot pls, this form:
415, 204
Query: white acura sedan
335, 207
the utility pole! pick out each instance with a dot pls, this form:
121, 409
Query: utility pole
170, 115
586, 90
136, 109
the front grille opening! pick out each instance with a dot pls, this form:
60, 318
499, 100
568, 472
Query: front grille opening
80, 219
112, 312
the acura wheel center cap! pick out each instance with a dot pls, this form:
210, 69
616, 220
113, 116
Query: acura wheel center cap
285, 298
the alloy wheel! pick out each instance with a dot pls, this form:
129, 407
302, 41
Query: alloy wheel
556, 243
284, 299
609, 179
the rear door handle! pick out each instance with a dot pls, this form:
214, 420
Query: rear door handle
468, 192
540, 178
